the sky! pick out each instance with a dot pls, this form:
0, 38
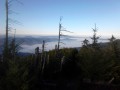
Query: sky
41, 17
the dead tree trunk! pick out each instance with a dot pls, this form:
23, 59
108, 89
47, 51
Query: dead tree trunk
6, 38
59, 34
43, 57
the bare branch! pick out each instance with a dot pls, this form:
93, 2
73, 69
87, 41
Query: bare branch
14, 21
63, 43
10, 1
64, 35
19, 2
11, 12
67, 31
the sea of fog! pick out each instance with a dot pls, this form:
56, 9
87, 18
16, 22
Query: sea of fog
69, 42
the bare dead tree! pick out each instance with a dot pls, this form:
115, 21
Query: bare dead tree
60, 33
6, 39
8, 4
43, 57
60, 25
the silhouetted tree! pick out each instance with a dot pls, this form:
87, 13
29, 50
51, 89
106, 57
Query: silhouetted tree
95, 38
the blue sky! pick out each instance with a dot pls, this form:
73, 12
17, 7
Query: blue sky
41, 17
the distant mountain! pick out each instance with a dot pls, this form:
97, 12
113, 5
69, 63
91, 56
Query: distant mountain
31, 40
117, 41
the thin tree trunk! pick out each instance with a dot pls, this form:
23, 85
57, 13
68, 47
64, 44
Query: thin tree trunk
6, 39
59, 36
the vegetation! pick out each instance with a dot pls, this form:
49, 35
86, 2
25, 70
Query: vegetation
61, 67
66, 68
